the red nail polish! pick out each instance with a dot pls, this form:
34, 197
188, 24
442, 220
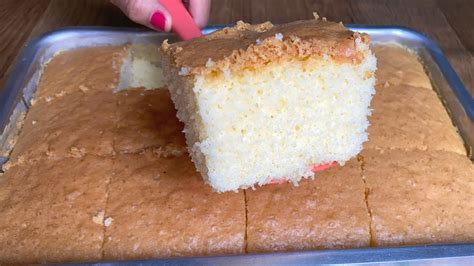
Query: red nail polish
158, 20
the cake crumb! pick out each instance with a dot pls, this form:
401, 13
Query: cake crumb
209, 62
317, 17
33, 122
169, 151
60, 94
50, 154
227, 73
184, 71
75, 152
73, 195
136, 246
279, 36
83, 88
98, 218
108, 221
165, 45
48, 99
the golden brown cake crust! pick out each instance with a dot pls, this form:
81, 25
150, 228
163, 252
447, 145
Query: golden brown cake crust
420, 197
327, 212
48, 208
73, 112
398, 66
145, 119
408, 118
95, 69
68, 127
161, 207
246, 45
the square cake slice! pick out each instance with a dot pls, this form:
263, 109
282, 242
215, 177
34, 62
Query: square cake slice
158, 206
411, 118
263, 102
419, 197
144, 124
397, 65
52, 210
328, 212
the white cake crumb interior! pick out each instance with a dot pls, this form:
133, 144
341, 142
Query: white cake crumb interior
147, 75
279, 120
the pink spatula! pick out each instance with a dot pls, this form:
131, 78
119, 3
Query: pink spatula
182, 22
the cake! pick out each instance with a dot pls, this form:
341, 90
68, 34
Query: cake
326, 213
161, 208
145, 119
98, 204
396, 65
68, 127
411, 118
263, 102
419, 197
52, 210
140, 68
91, 69
62, 120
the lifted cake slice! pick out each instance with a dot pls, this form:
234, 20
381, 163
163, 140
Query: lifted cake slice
263, 102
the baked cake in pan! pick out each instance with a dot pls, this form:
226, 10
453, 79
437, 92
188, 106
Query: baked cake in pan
82, 187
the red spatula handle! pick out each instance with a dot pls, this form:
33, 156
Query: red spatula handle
182, 22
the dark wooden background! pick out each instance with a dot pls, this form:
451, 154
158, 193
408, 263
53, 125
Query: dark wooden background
448, 22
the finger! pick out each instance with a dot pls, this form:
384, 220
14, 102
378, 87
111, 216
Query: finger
199, 10
149, 13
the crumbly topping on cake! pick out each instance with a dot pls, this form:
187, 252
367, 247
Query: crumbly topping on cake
250, 46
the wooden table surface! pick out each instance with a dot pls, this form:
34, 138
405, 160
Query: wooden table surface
448, 22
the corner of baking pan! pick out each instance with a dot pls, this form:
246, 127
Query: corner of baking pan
9, 96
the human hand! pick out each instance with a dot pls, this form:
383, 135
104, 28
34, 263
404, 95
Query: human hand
154, 15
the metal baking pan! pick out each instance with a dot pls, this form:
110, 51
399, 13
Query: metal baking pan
15, 100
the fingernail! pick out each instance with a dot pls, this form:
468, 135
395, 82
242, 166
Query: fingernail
158, 20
